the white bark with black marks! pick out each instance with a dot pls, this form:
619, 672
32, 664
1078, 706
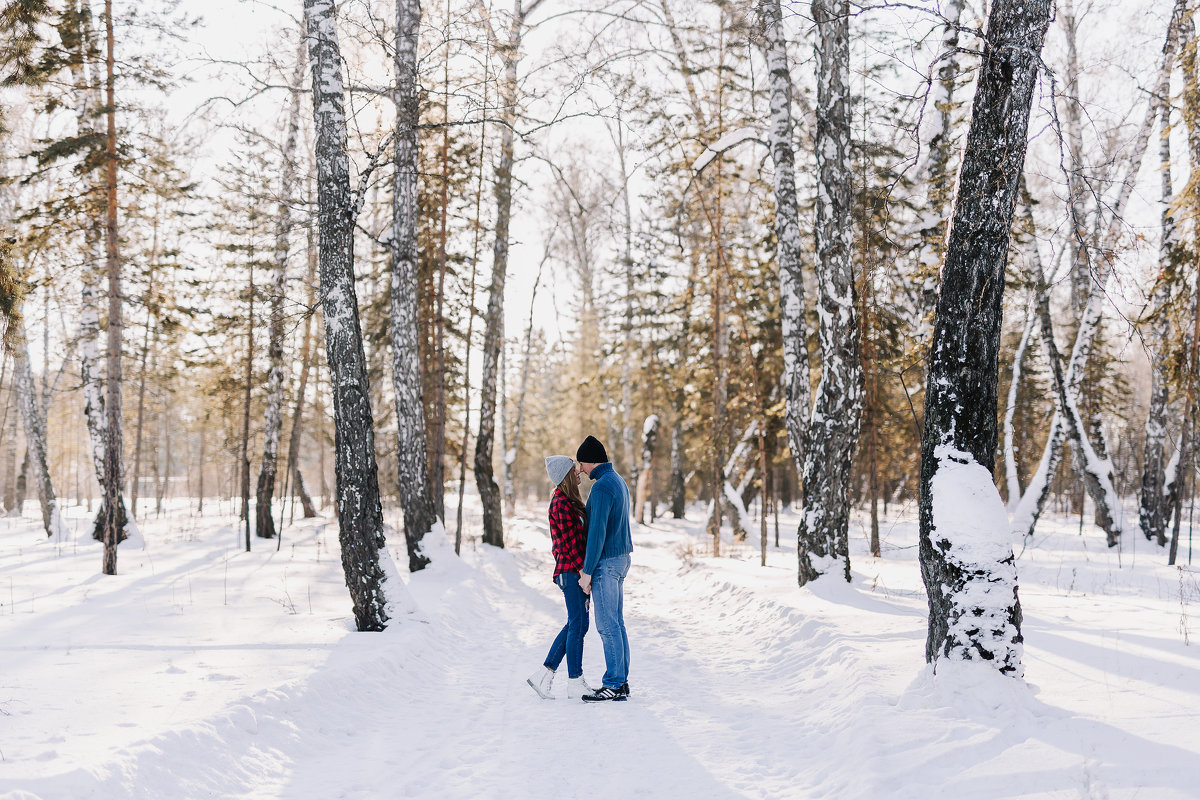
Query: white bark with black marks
371, 577
823, 538
265, 492
420, 515
788, 253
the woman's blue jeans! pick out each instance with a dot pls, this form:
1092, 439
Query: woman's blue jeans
608, 586
569, 641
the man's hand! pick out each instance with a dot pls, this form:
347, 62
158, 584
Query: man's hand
585, 582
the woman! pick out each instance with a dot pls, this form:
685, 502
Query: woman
568, 541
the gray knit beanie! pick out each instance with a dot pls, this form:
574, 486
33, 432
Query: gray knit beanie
557, 468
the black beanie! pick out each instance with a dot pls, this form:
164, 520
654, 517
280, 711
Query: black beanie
591, 451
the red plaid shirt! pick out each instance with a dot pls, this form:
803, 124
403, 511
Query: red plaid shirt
568, 540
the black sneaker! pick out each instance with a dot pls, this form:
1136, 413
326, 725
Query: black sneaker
624, 691
604, 693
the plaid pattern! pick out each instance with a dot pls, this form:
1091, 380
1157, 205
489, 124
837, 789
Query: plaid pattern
567, 537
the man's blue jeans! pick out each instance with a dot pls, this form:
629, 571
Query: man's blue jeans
570, 639
608, 585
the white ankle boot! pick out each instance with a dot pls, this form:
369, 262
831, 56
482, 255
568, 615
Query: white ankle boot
540, 682
577, 688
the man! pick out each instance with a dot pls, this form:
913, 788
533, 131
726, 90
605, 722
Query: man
606, 563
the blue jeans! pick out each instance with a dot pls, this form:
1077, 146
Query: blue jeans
608, 584
569, 641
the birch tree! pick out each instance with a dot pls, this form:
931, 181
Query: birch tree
485, 481
371, 577
833, 431
420, 516
265, 491
112, 431
966, 561
797, 391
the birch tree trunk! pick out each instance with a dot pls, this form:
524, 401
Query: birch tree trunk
966, 561
371, 576
1154, 509
797, 391
294, 439
87, 102
833, 432
420, 517
264, 521
113, 454
11, 504
493, 340
34, 421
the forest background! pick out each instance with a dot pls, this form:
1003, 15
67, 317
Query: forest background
635, 292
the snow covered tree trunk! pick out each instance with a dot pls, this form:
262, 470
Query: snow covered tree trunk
837, 414
645, 486
1190, 64
368, 566
1154, 509
797, 391
35, 437
493, 338
936, 175
966, 560
265, 523
420, 517
112, 431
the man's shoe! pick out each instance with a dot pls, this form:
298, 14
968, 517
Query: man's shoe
604, 693
624, 690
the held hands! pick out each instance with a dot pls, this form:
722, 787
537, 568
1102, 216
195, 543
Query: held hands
585, 583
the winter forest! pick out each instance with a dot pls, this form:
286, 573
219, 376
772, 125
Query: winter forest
887, 313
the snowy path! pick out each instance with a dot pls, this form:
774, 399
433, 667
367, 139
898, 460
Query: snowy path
208, 672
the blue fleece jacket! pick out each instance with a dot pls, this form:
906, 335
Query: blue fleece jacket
608, 517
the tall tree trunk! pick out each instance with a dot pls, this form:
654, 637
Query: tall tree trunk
34, 419
485, 482
1190, 63
371, 576
679, 400
823, 537
420, 517
293, 460
797, 391
113, 454
437, 457
470, 338
1154, 508
966, 560
264, 521
244, 469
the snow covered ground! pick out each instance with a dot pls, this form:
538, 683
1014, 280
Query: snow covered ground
203, 671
